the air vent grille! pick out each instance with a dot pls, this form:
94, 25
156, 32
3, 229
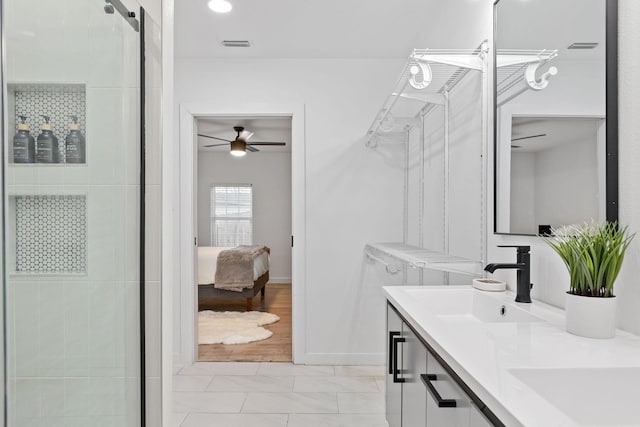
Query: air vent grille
236, 43
583, 46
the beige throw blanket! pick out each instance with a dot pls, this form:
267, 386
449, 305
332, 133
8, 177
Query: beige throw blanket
234, 268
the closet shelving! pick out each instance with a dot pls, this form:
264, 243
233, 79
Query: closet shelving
427, 84
424, 84
518, 71
415, 257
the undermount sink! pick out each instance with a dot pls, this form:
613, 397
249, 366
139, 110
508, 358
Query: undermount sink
589, 396
470, 305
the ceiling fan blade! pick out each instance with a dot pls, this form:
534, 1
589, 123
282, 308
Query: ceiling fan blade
267, 143
213, 137
529, 137
215, 145
252, 149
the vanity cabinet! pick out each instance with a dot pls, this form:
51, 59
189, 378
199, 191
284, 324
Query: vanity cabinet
420, 390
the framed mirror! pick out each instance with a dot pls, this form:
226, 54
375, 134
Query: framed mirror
555, 117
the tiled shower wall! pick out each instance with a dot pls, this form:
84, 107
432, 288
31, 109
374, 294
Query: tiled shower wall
73, 340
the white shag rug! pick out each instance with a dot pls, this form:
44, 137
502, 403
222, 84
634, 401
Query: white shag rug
233, 327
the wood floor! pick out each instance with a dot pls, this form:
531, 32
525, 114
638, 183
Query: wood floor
277, 348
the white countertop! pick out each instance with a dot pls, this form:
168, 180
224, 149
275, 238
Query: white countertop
532, 373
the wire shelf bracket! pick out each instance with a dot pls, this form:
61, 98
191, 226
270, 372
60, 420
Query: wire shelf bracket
517, 66
427, 76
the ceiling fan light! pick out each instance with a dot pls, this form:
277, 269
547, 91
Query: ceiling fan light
220, 6
238, 148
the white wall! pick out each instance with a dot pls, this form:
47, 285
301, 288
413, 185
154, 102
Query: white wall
523, 192
567, 184
353, 194
627, 287
270, 176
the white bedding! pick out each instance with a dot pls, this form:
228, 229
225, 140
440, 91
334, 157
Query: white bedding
208, 260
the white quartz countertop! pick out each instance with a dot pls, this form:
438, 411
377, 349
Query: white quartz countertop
529, 372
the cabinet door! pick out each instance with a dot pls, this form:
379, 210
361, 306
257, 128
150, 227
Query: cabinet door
393, 389
414, 393
447, 403
477, 418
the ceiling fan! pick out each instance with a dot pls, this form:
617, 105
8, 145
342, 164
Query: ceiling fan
526, 137
240, 145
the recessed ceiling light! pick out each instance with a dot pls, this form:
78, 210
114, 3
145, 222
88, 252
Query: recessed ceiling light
220, 6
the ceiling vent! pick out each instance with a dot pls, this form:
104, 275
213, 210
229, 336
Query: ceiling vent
583, 46
236, 43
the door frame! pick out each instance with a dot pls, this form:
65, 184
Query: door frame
188, 225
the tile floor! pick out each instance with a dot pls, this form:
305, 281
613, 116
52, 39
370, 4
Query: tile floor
229, 394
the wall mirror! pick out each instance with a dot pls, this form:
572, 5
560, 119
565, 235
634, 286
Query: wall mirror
556, 125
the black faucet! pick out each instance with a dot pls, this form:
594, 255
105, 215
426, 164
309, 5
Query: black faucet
523, 265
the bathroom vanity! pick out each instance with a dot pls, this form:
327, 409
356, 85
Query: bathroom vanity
458, 356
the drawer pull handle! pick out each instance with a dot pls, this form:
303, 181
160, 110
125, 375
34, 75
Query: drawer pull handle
391, 335
396, 378
442, 403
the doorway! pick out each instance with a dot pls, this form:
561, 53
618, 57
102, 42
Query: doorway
243, 196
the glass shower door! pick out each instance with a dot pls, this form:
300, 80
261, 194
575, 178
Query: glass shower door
71, 213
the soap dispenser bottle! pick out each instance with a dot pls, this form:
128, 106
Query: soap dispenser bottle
47, 143
75, 143
24, 145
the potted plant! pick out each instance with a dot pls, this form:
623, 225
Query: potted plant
593, 254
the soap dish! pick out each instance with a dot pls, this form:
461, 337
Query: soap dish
489, 285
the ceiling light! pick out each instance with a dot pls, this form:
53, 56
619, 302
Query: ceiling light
220, 6
238, 147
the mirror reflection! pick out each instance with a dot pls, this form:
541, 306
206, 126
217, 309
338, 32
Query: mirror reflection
550, 114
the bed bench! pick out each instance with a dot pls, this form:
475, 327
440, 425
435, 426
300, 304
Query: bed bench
209, 291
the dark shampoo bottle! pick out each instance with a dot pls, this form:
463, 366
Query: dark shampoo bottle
47, 144
24, 145
75, 143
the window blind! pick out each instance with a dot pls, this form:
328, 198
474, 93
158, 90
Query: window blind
231, 215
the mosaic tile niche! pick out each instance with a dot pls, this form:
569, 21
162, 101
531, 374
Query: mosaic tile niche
51, 234
59, 102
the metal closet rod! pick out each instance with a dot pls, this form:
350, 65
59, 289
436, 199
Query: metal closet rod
129, 16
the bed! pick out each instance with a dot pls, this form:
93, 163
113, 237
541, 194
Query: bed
208, 268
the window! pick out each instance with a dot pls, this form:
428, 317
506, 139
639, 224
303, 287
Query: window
231, 215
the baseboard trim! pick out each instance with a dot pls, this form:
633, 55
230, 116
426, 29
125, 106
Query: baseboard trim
344, 359
279, 279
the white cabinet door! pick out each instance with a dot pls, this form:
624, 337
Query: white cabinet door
414, 392
447, 403
477, 418
393, 389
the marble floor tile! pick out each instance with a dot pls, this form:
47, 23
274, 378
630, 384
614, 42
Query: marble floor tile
177, 368
335, 384
253, 383
207, 401
220, 368
235, 420
337, 420
276, 369
360, 371
191, 382
305, 403
177, 419
361, 403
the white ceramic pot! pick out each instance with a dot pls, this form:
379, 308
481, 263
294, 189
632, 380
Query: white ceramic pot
591, 317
